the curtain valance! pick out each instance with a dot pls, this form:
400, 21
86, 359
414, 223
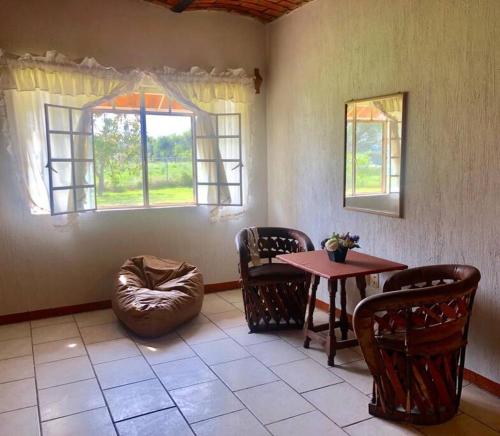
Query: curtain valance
57, 74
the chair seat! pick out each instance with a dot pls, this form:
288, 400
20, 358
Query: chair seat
271, 272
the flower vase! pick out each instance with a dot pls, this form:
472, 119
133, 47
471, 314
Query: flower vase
338, 255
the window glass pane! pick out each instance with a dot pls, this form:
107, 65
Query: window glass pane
82, 146
61, 174
63, 201
229, 125
395, 184
60, 146
348, 159
84, 173
170, 159
85, 198
58, 118
232, 172
229, 148
206, 172
234, 197
82, 120
207, 194
369, 162
206, 148
206, 125
118, 160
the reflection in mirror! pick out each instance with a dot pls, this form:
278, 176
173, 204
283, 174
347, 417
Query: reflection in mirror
374, 131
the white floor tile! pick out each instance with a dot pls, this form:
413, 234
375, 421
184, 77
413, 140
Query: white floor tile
234, 296
63, 371
460, 425
199, 333
275, 353
91, 423
305, 375
212, 303
164, 423
312, 423
342, 403
231, 318
356, 374
68, 399
205, 400
274, 402
243, 336
112, 350
22, 422
95, 317
16, 368
15, 331
103, 332
239, 306
182, 373
57, 350
293, 337
481, 405
241, 423
54, 332
244, 373
137, 399
223, 350
122, 372
165, 349
342, 356
380, 427
15, 348
17, 394
51, 321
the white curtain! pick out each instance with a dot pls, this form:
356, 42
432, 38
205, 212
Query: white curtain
206, 94
28, 82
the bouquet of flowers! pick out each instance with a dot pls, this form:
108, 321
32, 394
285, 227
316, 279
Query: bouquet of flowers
342, 241
337, 245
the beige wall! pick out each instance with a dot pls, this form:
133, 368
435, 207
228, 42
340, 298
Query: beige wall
446, 55
41, 266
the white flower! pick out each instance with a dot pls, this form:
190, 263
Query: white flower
332, 245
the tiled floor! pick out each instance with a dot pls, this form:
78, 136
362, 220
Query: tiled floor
87, 375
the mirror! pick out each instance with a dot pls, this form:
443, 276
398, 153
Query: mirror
374, 149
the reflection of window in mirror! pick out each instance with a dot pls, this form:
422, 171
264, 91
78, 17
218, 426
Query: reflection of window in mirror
373, 152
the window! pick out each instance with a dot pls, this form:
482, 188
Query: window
141, 150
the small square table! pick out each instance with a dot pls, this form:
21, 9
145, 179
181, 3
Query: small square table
357, 265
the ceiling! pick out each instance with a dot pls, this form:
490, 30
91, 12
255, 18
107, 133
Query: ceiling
263, 10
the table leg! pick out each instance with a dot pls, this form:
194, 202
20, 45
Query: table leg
361, 284
344, 322
312, 304
331, 344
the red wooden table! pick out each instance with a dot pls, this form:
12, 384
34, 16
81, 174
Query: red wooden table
357, 265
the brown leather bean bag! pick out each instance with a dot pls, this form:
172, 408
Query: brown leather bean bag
153, 296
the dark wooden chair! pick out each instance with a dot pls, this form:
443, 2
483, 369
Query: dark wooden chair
413, 337
274, 294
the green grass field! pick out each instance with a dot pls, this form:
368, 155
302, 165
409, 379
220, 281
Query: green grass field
167, 185
157, 196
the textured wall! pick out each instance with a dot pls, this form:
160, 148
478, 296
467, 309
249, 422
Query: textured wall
446, 54
41, 266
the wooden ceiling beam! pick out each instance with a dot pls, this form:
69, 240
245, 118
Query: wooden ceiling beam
181, 6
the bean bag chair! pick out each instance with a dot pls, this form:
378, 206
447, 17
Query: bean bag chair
153, 296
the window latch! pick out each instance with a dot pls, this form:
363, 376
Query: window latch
49, 166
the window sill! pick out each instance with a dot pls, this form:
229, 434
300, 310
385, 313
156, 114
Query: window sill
159, 207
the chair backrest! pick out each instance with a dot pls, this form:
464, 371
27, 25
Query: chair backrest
272, 242
423, 314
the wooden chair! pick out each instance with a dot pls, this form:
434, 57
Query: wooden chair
274, 294
413, 337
